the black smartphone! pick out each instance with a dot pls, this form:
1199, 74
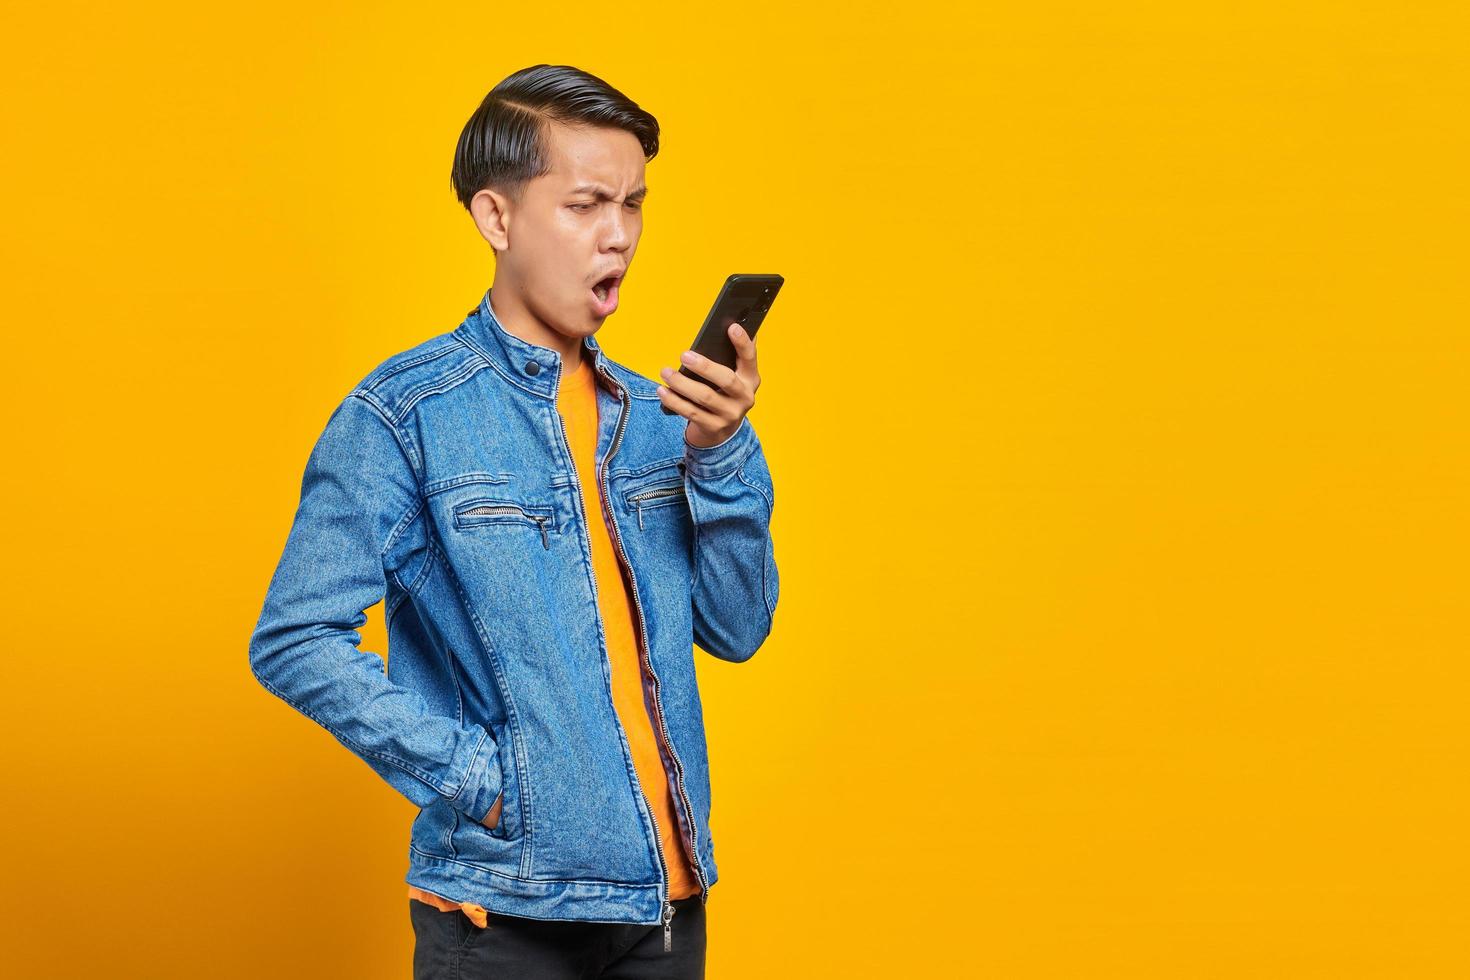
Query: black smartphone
745, 298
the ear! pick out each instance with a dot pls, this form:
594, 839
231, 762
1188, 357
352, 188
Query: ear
491, 212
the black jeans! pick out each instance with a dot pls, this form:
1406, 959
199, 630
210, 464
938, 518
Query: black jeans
448, 946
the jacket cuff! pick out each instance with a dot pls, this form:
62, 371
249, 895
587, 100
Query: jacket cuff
710, 462
481, 786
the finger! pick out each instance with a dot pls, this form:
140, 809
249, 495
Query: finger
708, 398
717, 374
744, 343
745, 365
680, 405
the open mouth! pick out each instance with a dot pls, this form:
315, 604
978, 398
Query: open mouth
605, 294
605, 286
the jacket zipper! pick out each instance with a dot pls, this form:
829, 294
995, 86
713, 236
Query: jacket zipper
657, 704
637, 499
668, 907
487, 509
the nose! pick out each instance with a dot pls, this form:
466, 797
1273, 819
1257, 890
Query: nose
616, 234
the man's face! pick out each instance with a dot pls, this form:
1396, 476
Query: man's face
573, 227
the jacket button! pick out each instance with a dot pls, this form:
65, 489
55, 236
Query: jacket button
532, 368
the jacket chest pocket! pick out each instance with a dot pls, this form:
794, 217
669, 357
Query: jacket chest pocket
498, 513
654, 494
651, 497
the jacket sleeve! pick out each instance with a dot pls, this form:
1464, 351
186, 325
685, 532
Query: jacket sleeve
358, 492
735, 585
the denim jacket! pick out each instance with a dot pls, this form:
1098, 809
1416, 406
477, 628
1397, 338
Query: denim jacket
443, 485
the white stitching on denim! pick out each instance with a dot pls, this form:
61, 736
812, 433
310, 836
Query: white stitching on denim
465, 780
361, 749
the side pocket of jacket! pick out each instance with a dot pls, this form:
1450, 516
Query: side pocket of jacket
360, 490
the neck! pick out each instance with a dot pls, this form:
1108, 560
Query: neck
518, 320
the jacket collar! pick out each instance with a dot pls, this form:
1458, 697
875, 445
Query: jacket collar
530, 366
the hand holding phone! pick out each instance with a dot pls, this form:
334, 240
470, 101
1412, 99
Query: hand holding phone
715, 386
744, 299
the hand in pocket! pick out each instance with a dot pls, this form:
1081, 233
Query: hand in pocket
492, 819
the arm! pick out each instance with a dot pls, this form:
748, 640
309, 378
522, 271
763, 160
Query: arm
735, 584
359, 492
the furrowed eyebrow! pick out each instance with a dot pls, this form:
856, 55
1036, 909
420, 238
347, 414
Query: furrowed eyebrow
637, 194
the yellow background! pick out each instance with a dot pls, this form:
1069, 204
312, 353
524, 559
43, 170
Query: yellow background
1116, 405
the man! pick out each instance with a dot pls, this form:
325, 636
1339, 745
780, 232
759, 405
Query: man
549, 544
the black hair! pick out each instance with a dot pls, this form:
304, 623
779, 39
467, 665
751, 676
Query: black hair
503, 144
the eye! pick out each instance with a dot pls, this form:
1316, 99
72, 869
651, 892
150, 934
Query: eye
636, 205
579, 207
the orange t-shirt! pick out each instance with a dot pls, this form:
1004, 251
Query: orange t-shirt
577, 402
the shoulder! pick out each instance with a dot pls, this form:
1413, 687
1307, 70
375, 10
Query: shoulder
399, 382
